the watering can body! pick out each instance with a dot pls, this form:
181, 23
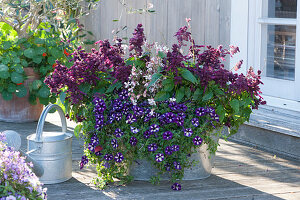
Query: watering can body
52, 150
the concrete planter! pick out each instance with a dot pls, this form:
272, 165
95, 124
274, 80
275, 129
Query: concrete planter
143, 170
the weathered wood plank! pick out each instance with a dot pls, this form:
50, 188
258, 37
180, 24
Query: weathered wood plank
143, 190
134, 19
224, 29
159, 22
212, 28
198, 22
210, 20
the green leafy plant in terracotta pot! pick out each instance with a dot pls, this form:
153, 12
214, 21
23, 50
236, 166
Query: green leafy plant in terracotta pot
33, 36
24, 62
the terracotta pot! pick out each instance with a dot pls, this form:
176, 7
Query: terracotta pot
19, 109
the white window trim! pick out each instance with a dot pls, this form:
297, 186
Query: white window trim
246, 23
273, 21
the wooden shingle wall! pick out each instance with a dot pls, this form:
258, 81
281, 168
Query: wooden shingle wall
210, 20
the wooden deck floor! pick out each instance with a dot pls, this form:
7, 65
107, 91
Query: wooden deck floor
240, 172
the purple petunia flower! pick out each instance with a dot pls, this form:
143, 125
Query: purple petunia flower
84, 161
200, 111
111, 118
159, 157
168, 135
210, 110
118, 105
152, 147
99, 121
133, 141
168, 167
99, 108
100, 105
130, 118
197, 140
172, 105
147, 134
154, 128
183, 107
98, 101
170, 117
147, 119
180, 108
98, 153
91, 147
94, 140
119, 133
118, 116
214, 116
114, 143
99, 118
179, 121
175, 147
119, 157
195, 122
176, 186
106, 165
181, 114
98, 126
123, 95
151, 114
134, 130
138, 111
188, 132
168, 150
125, 109
108, 157
177, 165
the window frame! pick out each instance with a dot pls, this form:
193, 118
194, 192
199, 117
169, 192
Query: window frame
250, 12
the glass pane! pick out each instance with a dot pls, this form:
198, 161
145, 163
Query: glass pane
281, 46
282, 8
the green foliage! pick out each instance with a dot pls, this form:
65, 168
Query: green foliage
168, 85
179, 94
112, 87
161, 54
186, 74
208, 95
155, 78
162, 96
17, 54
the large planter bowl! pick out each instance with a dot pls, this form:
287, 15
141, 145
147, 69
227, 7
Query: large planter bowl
19, 109
142, 170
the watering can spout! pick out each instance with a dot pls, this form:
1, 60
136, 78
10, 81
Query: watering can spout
13, 140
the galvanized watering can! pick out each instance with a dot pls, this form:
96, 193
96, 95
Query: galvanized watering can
52, 150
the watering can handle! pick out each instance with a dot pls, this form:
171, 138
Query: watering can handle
40, 126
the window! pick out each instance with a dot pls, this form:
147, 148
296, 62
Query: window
272, 43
